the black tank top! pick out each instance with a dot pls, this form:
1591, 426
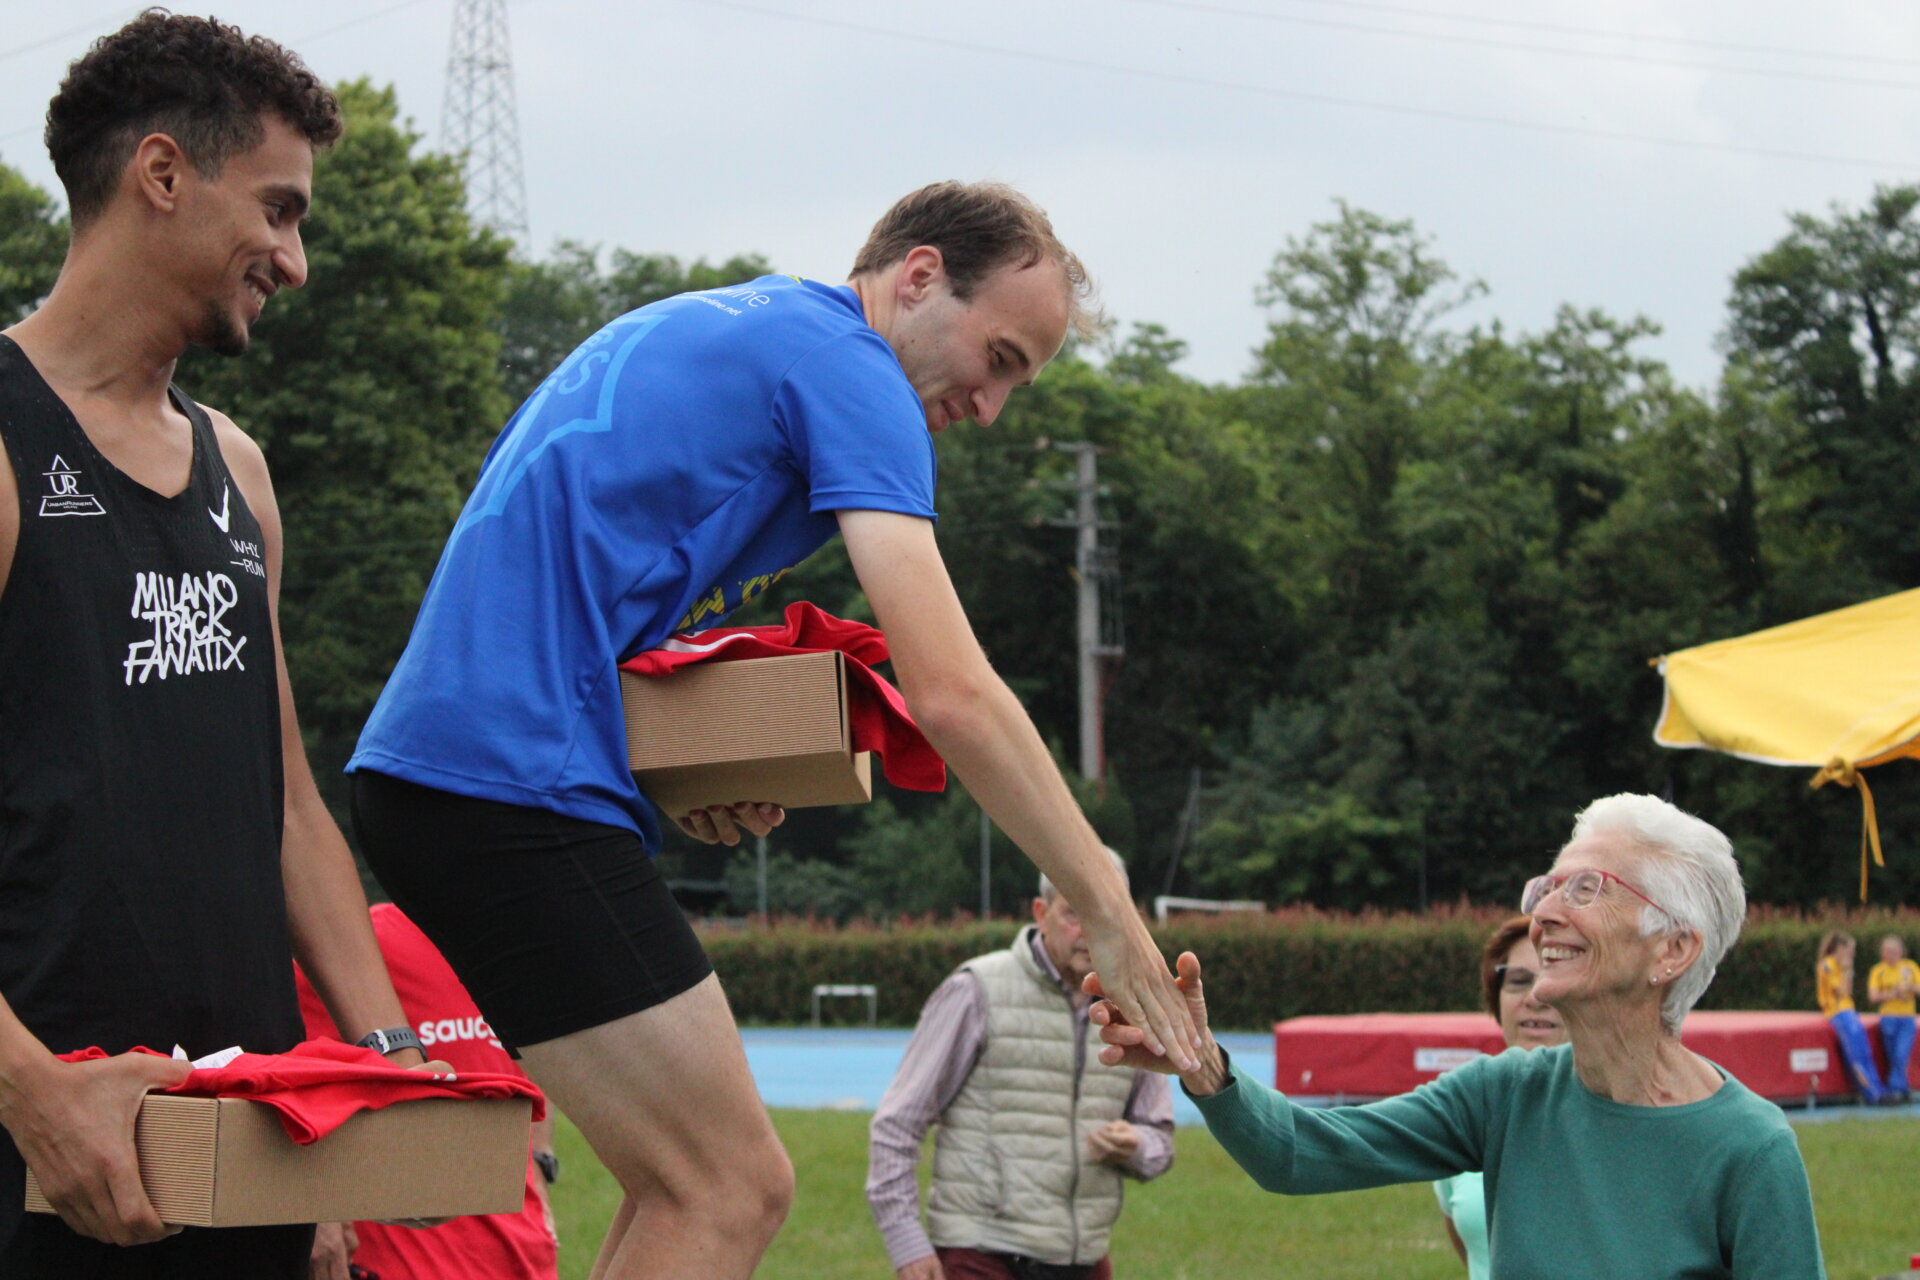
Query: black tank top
140, 770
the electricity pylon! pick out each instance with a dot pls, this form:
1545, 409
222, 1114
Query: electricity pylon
480, 120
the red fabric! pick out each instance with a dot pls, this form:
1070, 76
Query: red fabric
321, 1084
876, 713
1780, 1056
500, 1246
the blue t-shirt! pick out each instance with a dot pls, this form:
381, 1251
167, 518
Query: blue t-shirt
678, 463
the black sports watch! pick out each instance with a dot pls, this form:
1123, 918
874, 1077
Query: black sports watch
389, 1039
549, 1165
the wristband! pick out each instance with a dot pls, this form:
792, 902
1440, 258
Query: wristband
549, 1165
390, 1040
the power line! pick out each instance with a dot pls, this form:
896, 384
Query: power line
351, 23
1521, 24
99, 24
1488, 42
96, 25
1324, 99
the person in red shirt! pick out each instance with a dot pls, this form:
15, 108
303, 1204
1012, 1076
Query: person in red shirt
504, 1246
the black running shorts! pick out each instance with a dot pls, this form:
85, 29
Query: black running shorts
554, 924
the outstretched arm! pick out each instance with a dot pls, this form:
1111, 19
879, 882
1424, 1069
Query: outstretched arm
1428, 1134
326, 907
974, 721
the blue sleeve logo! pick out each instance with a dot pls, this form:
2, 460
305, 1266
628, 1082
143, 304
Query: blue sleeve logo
540, 425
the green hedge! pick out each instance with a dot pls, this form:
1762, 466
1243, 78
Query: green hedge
1260, 967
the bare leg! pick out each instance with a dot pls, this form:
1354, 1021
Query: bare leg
665, 1099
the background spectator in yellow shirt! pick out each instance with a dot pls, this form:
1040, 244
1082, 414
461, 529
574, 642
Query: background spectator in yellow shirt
1892, 985
1833, 985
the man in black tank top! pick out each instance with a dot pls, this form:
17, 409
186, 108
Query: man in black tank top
163, 850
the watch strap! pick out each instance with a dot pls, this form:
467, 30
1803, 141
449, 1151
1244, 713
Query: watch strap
391, 1039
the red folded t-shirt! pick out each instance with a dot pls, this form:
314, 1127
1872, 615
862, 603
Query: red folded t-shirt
321, 1084
877, 717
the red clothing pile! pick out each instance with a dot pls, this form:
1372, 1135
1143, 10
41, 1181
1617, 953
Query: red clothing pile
876, 713
321, 1084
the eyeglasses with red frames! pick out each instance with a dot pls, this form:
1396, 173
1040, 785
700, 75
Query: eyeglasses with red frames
1578, 889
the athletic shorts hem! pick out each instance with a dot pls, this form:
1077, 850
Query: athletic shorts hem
537, 1034
495, 789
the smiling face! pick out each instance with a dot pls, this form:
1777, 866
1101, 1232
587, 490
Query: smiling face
1597, 952
964, 357
1524, 1020
236, 237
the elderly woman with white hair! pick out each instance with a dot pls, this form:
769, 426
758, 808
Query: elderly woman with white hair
1621, 1153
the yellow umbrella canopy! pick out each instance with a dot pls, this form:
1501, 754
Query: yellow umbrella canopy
1837, 692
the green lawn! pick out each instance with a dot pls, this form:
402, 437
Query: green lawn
1206, 1221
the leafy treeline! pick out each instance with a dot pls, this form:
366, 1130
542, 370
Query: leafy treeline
1259, 967
1388, 601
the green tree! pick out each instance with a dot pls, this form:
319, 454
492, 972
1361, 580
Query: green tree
33, 243
1831, 316
553, 306
1148, 354
1350, 357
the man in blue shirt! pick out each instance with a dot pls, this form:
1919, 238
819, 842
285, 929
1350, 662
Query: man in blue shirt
669, 470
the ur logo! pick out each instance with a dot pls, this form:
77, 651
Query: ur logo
224, 516
63, 496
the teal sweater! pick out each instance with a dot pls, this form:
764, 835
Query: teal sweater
1578, 1186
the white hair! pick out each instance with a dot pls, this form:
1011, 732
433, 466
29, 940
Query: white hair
1687, 867
1048, 892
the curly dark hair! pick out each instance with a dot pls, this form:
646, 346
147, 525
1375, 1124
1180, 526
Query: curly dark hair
978, 227
200, 81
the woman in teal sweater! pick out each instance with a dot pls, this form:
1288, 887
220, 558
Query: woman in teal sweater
1620, 1154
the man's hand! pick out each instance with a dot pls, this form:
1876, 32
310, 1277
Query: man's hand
73, 1122
927, 1268
720, 824
1114, 1143
334, 1244
1127, 1045
1134, 980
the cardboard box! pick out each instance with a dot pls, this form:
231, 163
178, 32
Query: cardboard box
227, 1162
764, 729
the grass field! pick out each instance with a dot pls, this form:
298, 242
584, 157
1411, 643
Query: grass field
1206, 1221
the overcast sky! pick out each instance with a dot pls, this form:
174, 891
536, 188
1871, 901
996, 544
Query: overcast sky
1625, 155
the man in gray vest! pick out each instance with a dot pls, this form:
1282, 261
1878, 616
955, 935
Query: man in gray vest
1036, 1136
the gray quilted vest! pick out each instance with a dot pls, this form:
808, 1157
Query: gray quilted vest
1011, 1172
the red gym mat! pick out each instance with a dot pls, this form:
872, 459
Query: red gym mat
1783, 1056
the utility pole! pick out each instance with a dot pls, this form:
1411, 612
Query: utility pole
986, 865
760, 858
479, 118
1097, 572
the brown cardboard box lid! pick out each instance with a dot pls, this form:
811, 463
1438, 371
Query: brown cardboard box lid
766, 729
227, 1162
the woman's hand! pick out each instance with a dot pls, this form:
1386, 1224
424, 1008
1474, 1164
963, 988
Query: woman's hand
1126, 1045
